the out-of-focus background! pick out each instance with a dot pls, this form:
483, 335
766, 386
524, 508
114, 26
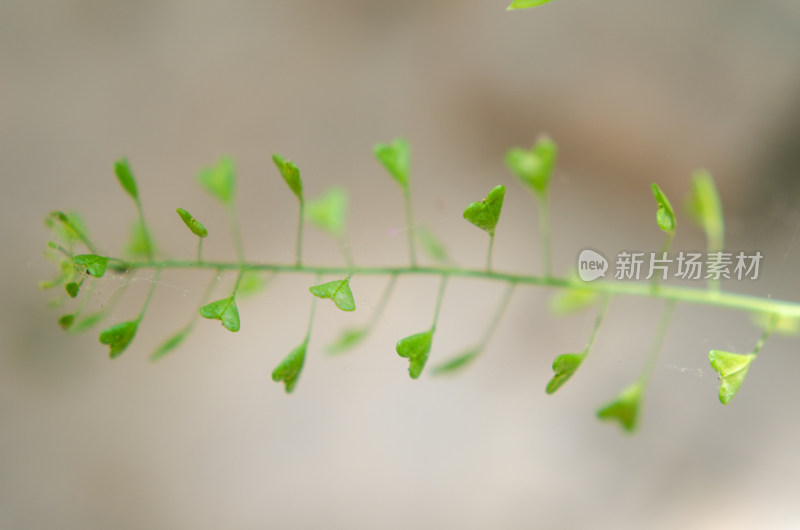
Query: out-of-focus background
634, 92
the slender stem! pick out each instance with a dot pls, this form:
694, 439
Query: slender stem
236, 231
105, 310
204, 298
498, 315
544, 233
56, 246
489, 253
663, 325
347, 252
150, 294
412, 252
768, 329
85, 299
79, 232
691, 295
148, 242
311, 318
312, 313
601, 313
300, 223
664, 250
439, 298
238, 281
199, 250
384, 299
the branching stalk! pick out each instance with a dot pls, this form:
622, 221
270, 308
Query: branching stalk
412, 252
236, 232
489, 253
300, 224
544, 233
439, 299
498, 315
658, 342
692, 295
598, 321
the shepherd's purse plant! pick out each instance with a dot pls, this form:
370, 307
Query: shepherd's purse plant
81, 263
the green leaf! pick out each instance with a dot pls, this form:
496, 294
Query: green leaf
138, 241
170, 344
94, 265
348, 339
732, 369
705, 208
223, 310
338, 291
534, 167
252, 282
431, 245
329, 212
564, 367
457, 363
119, 336
125, 177
219, 180
569, 301
72, 289
665, 216
290, 368
416, 348
624, 409
193, 224
395, 158
524, 4
66, 321
291, 174
486, 213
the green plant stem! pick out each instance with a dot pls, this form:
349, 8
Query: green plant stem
768, 329
105, 310
150, 294
412, 252
347, 252
384, 299
312, 313
300, 223
236, 231
204, 299
311, 319
498, 315
85, 300
664, 251
598, 321
663, 325
55, 246
489, 253
199, 250
148, 241
544, 232
81, 235
692, 295
439, 299
238, 281
715, 244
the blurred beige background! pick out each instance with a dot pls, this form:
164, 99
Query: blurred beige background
633, 91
